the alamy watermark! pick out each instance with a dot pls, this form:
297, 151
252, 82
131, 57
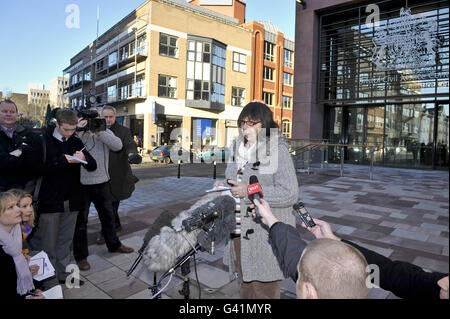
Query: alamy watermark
73, 19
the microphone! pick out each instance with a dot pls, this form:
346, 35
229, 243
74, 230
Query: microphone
164, 219
212, 212
254, 191
207, 213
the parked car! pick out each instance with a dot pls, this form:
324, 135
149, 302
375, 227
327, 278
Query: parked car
219, 154
162, 154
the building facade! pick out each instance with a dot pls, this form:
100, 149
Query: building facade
168, 65
56, 95
374, 73
38, 99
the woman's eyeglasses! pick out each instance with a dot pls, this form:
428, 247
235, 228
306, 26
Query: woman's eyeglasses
249, 123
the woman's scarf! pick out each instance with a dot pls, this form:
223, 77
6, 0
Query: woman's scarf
12, 245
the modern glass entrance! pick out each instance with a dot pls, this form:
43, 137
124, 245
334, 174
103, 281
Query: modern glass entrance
387, 83
407, 135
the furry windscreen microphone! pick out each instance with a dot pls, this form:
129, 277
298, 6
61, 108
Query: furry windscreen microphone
164, 250
164, 219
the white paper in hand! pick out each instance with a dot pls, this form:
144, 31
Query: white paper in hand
218, 189
76, 159
53, 293
47, 270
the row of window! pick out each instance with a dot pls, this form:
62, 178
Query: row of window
39, 94
269, 54
286, 101
124, 53
269, 73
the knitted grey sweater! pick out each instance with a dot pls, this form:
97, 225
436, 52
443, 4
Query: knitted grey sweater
99, 146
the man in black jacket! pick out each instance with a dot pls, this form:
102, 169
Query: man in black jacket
61, 197
403, 279
20, 151
122, 179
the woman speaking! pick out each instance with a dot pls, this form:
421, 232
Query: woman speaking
259, 150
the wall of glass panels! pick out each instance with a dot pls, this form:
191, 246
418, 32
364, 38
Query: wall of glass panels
384, 80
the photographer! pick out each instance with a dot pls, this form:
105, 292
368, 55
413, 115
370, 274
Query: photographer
122, 179
403, 279
99, 141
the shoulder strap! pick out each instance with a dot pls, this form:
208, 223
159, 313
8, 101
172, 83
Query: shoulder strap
37, 188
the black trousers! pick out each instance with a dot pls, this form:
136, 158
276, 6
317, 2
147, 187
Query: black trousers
117, 224
100, 195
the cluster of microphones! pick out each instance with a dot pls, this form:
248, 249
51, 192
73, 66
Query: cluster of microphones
173, 238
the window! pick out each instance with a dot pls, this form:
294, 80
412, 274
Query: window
197, 90
218, 74
268, 98
286, 128
168, 45
269, 51
287, 78
112, 59
87, 75
268, 73
100, 65
239, 62
288, 58
112, 93
124, 52
286, 102
237, 96
74, 79
167, 86
142, 44
138, 89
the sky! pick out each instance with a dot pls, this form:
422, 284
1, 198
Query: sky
38, 37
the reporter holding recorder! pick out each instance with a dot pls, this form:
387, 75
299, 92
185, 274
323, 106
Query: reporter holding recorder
259, 150
403, 279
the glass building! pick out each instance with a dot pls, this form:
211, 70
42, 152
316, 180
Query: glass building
380, 76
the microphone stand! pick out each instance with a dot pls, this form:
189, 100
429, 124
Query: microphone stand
185, 271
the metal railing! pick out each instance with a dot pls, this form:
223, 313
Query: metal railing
302, 152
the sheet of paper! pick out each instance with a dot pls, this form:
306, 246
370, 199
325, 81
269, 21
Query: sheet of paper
53, 293
77, 159
218, 189
47, 270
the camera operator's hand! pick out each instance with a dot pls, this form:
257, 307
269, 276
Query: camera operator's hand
267, 216
81, 124
321, 230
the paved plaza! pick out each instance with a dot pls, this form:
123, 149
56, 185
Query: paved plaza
402, 214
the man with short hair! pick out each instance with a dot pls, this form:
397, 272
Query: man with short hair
60, 196
122, 180
20, 151
330, 269
403, 279
96, 190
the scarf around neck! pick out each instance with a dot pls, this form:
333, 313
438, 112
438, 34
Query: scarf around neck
12, 245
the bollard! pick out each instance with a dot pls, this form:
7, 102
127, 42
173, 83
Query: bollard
371, 164
214, 176
342, 161
179, 168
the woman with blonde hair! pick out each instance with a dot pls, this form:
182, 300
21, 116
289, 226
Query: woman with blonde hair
25, 203
17, 279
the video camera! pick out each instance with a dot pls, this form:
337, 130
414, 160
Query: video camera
94, 124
